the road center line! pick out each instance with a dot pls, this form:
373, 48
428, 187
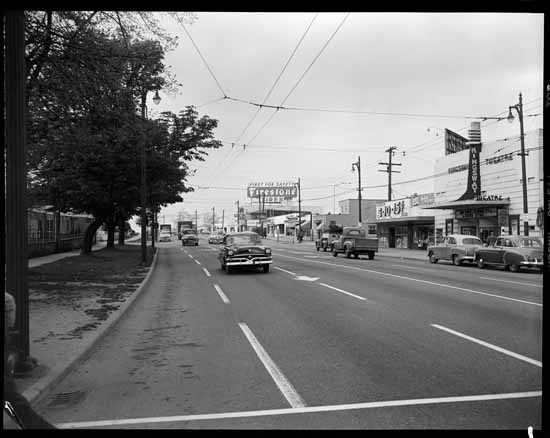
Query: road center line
414, 279
515, 282
284, 270
206, 272
197, 262
280, 380
304, 410
343, 291
221, 294
493, 347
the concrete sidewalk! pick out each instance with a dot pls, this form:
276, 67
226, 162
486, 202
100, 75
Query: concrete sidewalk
411, 254
63, 332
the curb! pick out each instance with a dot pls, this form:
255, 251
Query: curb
41, 388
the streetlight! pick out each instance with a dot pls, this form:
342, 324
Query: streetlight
358, 166
519, 109
156, 100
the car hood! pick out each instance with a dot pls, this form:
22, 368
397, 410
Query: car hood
189, 236
530, 252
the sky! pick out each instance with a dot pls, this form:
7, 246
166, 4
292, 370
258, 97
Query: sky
423, 71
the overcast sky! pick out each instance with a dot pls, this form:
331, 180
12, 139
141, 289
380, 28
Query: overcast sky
426, 67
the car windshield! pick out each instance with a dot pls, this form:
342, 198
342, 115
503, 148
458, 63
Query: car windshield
189, 232
243, 239
530, 243
471, 241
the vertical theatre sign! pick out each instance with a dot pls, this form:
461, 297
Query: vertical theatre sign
272, 192
473, 189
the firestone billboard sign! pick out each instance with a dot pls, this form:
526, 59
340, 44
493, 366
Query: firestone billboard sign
272, 192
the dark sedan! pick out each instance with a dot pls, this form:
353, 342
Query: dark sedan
512, 252
244, 249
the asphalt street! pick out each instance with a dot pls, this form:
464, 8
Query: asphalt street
319, 342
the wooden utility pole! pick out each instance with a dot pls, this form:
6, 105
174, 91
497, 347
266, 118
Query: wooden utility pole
213, 222
389, 168
238, 217
223, 217
16, 264
299, 208
357, 165
196, 222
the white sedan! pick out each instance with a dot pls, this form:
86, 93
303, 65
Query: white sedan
165, 236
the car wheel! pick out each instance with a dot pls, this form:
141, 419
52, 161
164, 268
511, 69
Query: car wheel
325, 249
371, 256
433, 258
456, 260
480, 263
356, 256
266, 269
317, 248
335, 253
514, 267
348, 253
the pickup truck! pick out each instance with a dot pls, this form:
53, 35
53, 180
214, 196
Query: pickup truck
512, 252
354, 241
325, 240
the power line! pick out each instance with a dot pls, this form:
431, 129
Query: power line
204, 60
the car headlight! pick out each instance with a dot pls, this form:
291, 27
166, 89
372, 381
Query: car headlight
230, 253
268, 251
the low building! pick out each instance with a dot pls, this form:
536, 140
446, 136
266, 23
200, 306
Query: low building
479, 190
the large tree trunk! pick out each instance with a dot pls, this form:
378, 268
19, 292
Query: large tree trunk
121, 230
89, 236
111, 234
57, 231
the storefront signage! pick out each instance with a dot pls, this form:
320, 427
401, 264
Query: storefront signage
454, 142
422, 199
500, 158
272, 192
473, 187
390, 209
488, 198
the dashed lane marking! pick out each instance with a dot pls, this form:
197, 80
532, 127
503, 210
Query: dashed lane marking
343, 291
281, 381
304, 410
491, 346
206, 272
197, 262
416, 279
221, 294
284, 270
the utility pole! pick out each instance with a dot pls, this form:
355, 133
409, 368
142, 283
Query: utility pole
238, 217
213, 222
389, 168
196, 223
357, 165
223, 215
299, 208
16, 262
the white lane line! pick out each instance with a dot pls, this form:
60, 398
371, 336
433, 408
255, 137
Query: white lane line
304, 410
280, 380
206, 272
343, 291
284, 270
415, 279
191, 256
515, 282
221, 294
493, 347
197, 262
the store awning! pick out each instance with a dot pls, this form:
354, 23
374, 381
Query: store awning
417, 219
468, 203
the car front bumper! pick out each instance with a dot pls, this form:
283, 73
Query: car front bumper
248, 262
530, 264
468, 258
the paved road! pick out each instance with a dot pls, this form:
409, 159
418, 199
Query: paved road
318, 342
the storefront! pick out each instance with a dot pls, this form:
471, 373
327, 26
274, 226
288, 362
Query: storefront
403, 223
479, 187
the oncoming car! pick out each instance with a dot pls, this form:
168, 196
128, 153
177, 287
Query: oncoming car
457, 248
244, 249
189, 237
165, 236
215, 238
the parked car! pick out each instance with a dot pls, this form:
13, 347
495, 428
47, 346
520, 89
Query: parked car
512, 252
243, 249
189, 237
215, 238
165, 236
457, 248
353, 242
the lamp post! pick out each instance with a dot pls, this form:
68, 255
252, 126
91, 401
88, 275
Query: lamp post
156, 100
353, 167
519, 109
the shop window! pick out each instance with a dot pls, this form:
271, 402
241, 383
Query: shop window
448, 226
371, 229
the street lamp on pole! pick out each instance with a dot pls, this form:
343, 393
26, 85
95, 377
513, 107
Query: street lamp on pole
156, 100
519, 109
357, 165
